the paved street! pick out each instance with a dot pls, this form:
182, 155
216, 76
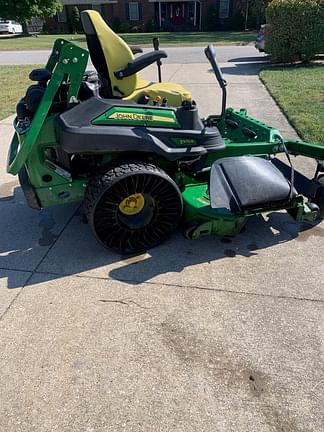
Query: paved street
183, 55
209, 335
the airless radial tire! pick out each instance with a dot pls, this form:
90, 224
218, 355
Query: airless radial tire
132, 206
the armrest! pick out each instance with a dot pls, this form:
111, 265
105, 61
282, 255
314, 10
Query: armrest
139, 63
136, 50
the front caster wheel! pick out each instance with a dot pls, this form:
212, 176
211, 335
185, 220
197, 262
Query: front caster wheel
319, 197
189, 229
132, 206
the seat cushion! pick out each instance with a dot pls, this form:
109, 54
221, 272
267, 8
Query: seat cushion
247, 182
174, 93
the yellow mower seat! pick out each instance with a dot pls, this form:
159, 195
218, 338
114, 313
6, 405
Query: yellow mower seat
110, 54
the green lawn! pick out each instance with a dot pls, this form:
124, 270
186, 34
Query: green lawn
142, 39
14, 81
299, 91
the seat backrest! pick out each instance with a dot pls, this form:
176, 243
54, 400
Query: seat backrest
108, 53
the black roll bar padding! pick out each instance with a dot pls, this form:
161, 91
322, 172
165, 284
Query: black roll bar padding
210, 53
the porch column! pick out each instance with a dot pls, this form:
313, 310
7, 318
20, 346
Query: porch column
195, 14
160, 17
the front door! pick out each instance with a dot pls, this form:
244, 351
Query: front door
173, 16
177, 13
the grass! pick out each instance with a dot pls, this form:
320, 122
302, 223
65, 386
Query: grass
14, 81
203, 38
142, 39
299, 91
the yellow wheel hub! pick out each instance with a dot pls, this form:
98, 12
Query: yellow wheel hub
132, 205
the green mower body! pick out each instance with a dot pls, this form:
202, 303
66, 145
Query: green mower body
142, 169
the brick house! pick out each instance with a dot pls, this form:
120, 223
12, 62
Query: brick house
148, 15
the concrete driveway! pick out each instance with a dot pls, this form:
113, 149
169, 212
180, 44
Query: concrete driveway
209, 335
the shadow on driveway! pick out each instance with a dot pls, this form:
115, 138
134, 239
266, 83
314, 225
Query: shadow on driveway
256, 59
57, 242
242, 70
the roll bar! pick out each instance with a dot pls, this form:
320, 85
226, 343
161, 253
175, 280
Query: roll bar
210, 52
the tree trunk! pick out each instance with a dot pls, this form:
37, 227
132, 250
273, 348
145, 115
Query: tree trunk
25, 28
246, 15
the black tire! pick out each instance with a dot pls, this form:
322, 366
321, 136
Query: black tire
319, 196
157, 197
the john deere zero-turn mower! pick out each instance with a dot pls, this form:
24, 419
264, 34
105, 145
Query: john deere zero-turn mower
139, 156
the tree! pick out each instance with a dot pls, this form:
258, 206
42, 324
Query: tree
75, 20
253, 11
24, 10
212, 19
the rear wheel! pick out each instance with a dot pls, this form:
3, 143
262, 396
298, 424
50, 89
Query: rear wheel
133, 206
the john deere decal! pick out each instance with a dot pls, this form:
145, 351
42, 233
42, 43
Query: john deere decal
138, 117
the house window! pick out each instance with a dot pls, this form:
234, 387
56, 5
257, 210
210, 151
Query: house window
133, 10
61, 16
97, 7
223, 9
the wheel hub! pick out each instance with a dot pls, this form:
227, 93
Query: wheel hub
132, 205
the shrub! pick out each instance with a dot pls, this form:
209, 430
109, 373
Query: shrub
212, 21
238, 20
75, 20
296, 29
116, 25
124, 27
150, 26
120, 26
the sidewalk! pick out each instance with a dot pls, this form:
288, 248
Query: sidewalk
209, 335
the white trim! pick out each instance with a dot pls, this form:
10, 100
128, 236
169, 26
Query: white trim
169, 1
83, 2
